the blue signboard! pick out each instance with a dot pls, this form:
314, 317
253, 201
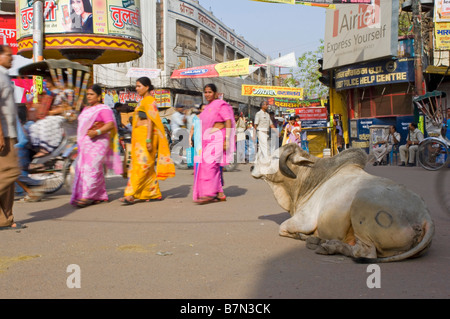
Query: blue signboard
361, 136
375, 73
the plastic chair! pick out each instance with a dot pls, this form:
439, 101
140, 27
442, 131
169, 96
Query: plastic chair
394, 153
305, 146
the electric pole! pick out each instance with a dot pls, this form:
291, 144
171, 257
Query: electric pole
418, 66
38, 30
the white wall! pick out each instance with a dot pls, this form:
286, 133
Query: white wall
114, 74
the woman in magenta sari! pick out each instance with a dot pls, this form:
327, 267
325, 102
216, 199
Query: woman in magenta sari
98, 146
218, 134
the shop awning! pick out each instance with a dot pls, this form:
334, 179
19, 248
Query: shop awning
444, 70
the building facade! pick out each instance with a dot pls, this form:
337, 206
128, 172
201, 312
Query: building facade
181, 34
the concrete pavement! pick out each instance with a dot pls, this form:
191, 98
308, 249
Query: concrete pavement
229, 250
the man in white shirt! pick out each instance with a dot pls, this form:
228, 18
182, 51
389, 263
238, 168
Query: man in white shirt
9, 162
415, 136
240, 136
177, 122
263, 124
385, 146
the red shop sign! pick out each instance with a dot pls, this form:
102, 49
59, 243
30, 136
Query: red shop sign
312, 113
8, 31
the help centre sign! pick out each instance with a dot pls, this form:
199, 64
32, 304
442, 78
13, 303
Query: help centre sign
359, 33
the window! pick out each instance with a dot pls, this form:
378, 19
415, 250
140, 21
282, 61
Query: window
219, 51
230, 54
254, 75
239, 56
206, 44
383, 100
186, 36
263, 77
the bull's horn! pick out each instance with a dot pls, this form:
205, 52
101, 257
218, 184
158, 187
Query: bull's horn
284, 157
295, 155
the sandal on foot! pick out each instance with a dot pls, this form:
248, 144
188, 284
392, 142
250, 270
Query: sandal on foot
222, 198
18, 226
99, 202
84, 203
41, 154
126, 201
154, 199
206, 200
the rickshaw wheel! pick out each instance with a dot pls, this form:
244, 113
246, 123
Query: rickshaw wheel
433, 154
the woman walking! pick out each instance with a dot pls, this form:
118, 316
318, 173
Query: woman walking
218, 134
148, 140
98, 146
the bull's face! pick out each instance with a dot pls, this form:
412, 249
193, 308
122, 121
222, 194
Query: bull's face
278, 167
278, 172
266, 167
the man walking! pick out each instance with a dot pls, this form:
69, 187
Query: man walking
9, 164
415, 136
263, 124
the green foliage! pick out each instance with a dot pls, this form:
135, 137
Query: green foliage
404, 22
307, 75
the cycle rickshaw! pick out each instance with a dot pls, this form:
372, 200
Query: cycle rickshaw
434, 151
71, 78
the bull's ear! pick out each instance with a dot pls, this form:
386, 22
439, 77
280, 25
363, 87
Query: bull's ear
298, 159
291, 153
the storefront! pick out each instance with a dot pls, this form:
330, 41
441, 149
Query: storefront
377, 93
128, 98
313, 116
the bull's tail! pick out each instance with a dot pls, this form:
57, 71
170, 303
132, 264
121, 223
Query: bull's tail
415, 251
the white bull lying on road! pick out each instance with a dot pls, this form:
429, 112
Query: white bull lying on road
339, 208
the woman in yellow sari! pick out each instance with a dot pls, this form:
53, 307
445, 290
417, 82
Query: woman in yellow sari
148, 144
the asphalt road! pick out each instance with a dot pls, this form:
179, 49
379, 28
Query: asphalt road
230, 250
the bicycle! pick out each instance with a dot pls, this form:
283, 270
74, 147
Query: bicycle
433, 153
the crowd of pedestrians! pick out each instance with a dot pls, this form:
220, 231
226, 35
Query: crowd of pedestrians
214, 132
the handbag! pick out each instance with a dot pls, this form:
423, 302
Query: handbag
97, 125
190, 156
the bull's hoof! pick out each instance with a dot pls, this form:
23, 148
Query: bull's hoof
328, 247
313, 242
321, 250
302, 236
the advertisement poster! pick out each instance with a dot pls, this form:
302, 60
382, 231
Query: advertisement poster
442, 35
357, 33
163, 98
8, 31
230, 68
441, 10
312, 113
272, 91
319, 3
285, 103
107, 17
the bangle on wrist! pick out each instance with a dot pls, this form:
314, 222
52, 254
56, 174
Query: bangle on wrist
149, 140
99, 132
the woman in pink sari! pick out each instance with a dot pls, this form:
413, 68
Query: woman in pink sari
98, 146
218, 134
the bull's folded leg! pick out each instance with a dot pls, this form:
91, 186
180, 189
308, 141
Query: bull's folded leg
331, 247
360, 249
296, 229
299, 236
